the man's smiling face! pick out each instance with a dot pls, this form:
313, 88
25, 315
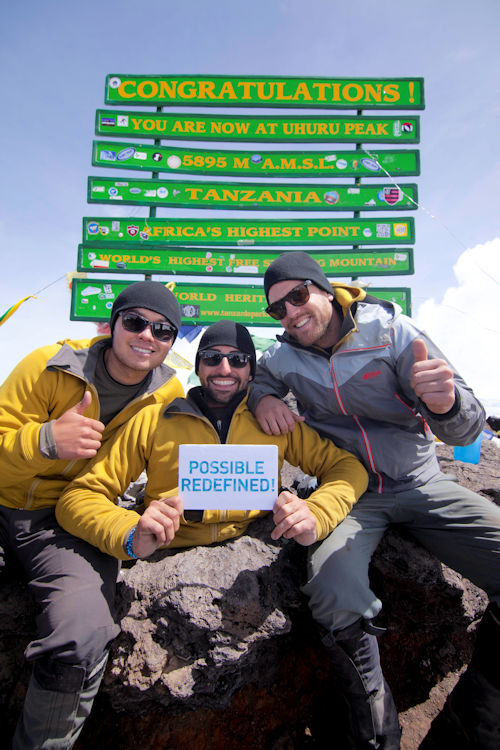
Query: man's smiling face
311, 323
133, 355
223, 382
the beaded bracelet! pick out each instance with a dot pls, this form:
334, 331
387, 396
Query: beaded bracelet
129, 544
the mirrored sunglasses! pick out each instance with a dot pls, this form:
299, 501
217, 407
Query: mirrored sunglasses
297, 296
214, 358
135, 323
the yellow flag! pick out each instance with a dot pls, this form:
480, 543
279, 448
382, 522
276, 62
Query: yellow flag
13, 309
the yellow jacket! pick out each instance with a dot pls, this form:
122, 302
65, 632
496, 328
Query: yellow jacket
44, 385
151, 440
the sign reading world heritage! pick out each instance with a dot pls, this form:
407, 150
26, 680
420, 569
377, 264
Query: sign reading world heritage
332, 163
142, 232
162, 233
201, 304
249, 91
219, 262
255, 195
203, 127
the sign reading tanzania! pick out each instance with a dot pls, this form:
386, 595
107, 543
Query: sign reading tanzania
250, 163
252, 128
255, 195
142, 231
247, 91
228, 477
92, 299
246, 262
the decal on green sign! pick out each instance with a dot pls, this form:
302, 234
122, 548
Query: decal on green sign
181, 126
200, 303
249, 91
165, 232
255, 195
334, 163
218, 262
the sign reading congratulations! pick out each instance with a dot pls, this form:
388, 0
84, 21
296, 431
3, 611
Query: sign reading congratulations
228, 477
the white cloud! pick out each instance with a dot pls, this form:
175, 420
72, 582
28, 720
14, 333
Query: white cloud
466, 323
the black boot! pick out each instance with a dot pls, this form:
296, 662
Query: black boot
471, 715
373, 715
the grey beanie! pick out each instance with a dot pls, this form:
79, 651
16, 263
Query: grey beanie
295, 265
151, 295
227, 333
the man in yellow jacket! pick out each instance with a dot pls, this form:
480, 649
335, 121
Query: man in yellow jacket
56, 409
216, 412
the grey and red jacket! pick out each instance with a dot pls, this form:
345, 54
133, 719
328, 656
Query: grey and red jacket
360, 395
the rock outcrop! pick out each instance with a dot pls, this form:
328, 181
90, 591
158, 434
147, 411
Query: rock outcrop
218, 650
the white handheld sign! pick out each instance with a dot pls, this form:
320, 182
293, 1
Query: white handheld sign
229, 477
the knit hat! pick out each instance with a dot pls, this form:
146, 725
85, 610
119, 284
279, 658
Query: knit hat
151, 295
227, 333
295, 265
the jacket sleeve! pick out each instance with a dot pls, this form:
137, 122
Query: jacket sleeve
26, 399
266, 382
342, 479
88, 506
465, 420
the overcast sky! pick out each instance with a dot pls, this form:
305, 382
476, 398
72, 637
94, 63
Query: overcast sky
54, 59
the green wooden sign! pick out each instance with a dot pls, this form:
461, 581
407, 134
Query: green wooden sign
249, 91
255, 195
200, 303
332, 163
141, 232
219, 262
201, 127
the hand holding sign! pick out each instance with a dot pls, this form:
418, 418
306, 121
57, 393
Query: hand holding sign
157, 526
432, 380
77, 436
294, 519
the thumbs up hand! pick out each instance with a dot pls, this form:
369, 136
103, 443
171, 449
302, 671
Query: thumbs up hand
432, 380
77, 436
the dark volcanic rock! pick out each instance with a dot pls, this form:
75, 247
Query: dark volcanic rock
218, 650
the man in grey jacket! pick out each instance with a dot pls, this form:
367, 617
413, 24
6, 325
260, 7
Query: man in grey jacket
367, 378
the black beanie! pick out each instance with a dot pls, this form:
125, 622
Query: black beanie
151, 295
295, 265
227, 333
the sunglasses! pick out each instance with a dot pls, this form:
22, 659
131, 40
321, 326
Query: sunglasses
135, 323
235, 359
298, 296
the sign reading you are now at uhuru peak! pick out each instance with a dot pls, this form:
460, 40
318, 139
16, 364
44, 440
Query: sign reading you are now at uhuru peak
352, 93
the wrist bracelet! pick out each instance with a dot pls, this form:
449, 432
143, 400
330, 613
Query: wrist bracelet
129, 544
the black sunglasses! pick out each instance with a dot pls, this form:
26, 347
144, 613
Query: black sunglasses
135, 323
213, 358
297, 296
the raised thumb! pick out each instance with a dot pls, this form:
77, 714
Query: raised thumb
419, 350
82, 405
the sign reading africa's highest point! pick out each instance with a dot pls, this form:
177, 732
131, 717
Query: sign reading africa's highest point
248, 91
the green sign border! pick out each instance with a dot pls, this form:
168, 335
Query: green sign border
237, 263
167, 232
202, 304
251, 195
332, 163
269, 91
271, 129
